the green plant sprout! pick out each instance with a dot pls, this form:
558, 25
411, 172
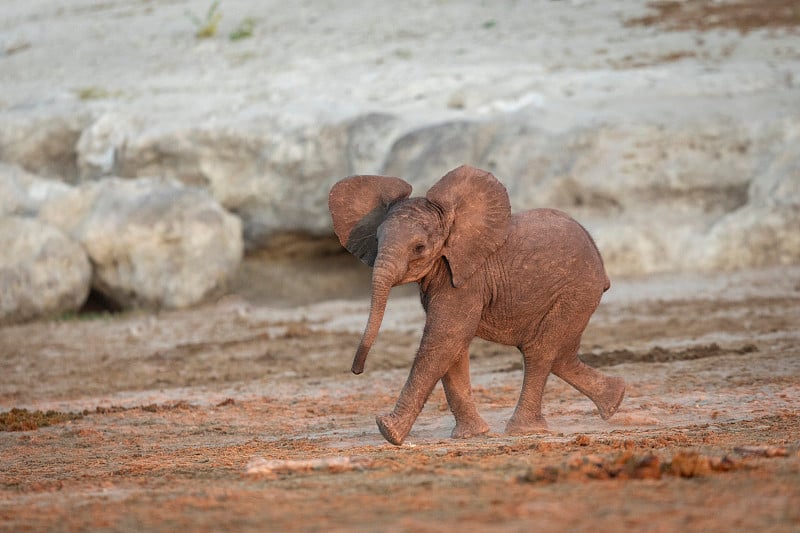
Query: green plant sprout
95, 93
206, 27
243, 30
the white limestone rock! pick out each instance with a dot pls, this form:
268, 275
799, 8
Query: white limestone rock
43, 272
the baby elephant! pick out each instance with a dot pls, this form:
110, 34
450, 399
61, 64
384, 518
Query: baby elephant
530, 280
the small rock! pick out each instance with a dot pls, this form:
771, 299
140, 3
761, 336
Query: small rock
273, 467
690, 464
99, 145
544, 474
761, 451
723, 464
647, 467
583, 440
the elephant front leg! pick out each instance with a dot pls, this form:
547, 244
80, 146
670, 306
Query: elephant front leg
429, 367
458, 390
443, 354
396, 425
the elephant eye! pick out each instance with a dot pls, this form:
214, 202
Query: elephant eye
419, 249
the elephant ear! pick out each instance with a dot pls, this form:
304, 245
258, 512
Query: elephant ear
358, 205
477, 208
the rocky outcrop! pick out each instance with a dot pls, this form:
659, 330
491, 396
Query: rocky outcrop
765, 231
23, 193
144, 243
658, 196
688, 195
692, 194
274, 180
43, 272
43, 142
152, 243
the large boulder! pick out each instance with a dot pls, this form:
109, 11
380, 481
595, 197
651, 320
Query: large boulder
766, 231
43, 141
657, 197
754, 237
23, 193
43, 272
275, 177
153, 243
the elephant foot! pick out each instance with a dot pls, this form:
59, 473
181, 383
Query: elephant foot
390, 430
609, 401
466, 430
530, 426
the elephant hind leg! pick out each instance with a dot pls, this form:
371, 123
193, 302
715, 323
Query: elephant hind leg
553, 335
527, 417
554, 348
556, 335
458, 391
605, 391
538, 357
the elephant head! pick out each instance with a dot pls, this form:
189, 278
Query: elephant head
462, 220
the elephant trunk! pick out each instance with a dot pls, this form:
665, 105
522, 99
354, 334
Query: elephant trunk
383, 279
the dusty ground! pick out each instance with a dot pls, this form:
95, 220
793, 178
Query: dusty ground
172, 408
